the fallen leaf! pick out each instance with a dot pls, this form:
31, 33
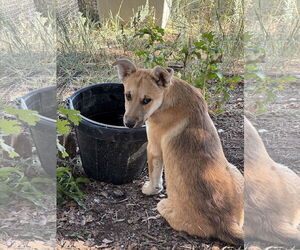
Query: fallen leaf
38, 245
106, 241
254, 248
100, 246
104, 194
80, 245
132, 246
3, 247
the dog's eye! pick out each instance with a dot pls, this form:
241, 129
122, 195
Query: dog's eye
128, 97
146, 100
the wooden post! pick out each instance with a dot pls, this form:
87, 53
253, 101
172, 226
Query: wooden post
126, 9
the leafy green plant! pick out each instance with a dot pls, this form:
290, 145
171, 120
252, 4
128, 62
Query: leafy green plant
14, 125
63, 126
153, 52
69, 187
262, 88
13, 182
201, 61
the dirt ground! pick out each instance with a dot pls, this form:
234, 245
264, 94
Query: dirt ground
121, 217
280, 127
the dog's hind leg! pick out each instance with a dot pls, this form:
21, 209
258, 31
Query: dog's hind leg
166, 209
155, 169
181, 222
233, 235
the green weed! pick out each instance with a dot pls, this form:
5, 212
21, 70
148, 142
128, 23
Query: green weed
69, 187
13, 182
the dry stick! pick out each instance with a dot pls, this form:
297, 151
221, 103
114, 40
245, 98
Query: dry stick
126, 199
148, 222
150, 237
174, 247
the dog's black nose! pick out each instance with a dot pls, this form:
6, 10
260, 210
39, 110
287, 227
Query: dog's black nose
129, 124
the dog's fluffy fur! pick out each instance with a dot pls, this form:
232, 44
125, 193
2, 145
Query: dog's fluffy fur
272, 195
205, 192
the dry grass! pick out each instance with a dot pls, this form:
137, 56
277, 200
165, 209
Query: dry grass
275, 28
87, 49
28, 56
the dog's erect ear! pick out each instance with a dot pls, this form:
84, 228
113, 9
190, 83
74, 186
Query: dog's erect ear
125, 68
163, 75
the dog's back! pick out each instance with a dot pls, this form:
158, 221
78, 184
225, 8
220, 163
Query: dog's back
272, 195
203, 187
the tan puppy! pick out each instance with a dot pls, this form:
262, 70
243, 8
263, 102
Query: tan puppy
205, 192
272, 195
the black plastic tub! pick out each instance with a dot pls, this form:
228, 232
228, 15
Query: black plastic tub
109, 151
44, 132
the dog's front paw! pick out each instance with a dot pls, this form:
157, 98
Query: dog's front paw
149, 189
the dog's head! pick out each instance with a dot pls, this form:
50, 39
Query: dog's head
144, 91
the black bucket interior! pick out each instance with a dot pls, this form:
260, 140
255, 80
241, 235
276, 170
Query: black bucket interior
103, 103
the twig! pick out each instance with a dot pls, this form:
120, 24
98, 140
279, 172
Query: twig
150, 237
174, 247
148, 221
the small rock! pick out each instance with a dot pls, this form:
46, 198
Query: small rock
118, 193
89, 242
133, 220
96, 200
254, 248
293, 99
8, 243
215, 248
83, 221
162, 195
220, 130
239, 99
107, 241
262, 130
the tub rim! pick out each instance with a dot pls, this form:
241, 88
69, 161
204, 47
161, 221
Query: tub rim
70, 99
23, 105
